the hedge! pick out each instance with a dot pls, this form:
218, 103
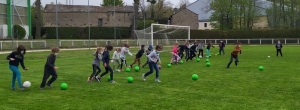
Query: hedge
19, 32
244, 34
83, 33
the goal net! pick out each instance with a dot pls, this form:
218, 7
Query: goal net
165, 35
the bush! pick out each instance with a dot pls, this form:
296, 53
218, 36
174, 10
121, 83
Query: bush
244, 34
83, 33
19, 32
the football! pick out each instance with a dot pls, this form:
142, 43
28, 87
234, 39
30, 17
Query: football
26, 84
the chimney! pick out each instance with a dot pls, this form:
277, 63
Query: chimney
183, 6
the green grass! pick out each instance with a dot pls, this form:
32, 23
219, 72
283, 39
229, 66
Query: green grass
239, 87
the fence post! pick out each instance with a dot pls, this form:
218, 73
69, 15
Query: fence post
72, 43
215, 41
59, 43
96, 43
285, 41
226, 41
127, 41
298, 41
272, 41
1, 45
45, 44
205, 41
117, 42
31, 45
156, 42
17, 43
177, 41
259, 41
248, 41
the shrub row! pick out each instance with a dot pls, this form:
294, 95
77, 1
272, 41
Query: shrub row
83, 32
244, 34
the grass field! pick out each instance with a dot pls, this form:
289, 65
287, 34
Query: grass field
240, 87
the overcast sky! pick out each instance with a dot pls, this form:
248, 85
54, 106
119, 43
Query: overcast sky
98, 2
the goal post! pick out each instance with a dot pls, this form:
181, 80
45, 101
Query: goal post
168, 26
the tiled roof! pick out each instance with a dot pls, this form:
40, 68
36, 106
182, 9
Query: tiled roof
50, 8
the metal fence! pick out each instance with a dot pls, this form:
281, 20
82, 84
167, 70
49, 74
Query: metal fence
43, 44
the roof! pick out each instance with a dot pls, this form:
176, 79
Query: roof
51, 8
204, 20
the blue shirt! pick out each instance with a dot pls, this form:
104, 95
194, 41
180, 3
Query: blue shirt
19, 59
105, 57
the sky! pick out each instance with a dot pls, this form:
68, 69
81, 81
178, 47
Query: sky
98, 2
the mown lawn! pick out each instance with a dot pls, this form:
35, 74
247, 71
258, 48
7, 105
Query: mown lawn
239, 87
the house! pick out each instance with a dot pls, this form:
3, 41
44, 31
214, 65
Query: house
185, 17
77, 16
205, 24
202, 8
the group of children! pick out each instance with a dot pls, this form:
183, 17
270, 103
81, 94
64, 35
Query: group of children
119, 57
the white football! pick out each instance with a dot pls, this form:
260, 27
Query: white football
200, 56
268, 56
26, 84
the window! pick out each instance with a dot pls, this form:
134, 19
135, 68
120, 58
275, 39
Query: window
205, 24
100, 22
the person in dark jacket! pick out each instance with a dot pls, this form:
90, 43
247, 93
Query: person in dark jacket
278, 46
181, 50
138, 56
50, 69
192, 51
15, 58
221, 46
106, 65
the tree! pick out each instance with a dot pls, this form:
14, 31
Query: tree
38, 18
183, 2
112, 3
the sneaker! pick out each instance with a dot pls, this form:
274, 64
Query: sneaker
118, 70
13, 89
113, 82
22, 88
98, 78
41, 88
130, 66
49, 85
89, 79
157, 80
143, 77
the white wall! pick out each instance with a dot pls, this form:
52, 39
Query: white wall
202, 26
4, 34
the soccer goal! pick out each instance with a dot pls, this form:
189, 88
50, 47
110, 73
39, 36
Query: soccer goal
162, 34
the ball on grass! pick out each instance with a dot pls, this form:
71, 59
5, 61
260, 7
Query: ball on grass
260, 68
198, 59
268, 56
26, 84
64, 86
127, 70
108, 78
208, 64
169, 65
207, 60
195, 77
200, 56
130, 79
181, 62
137, 69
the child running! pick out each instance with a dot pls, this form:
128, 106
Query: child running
96, 64
106, 60
50, 69
200, 48
208, 48
15, 58
192, 51
138, 56
278, 46
175, 56
153, 60
124, 51
116, 59
181, 50
234, 54
148, 51
222, 46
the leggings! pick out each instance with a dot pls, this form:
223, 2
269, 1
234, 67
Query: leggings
123, 62
200, 52
108, 69
95, 68
16, 75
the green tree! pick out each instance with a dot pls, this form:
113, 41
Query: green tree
19, 32
37, 18
112, 3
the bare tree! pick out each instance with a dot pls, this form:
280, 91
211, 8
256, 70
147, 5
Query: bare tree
38, 19
183, 2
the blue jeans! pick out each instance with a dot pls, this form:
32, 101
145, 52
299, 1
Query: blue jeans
207, 52
221, 50
152, 66
16, 75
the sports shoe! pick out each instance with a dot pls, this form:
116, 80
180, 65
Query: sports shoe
113, 82
49, 85
98, 78
13, 89
89, 79
22, 88
157, 80
130, 66
143, 77
41, 88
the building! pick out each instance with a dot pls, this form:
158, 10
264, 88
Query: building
77, 16
185, 17
21, 16
205, 24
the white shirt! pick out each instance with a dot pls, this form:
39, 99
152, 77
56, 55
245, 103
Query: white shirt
124, 51
116, 56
